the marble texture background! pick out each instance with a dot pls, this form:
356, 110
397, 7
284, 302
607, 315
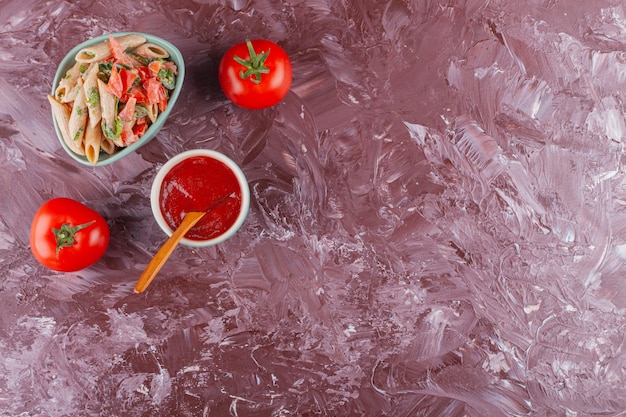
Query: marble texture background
437, 228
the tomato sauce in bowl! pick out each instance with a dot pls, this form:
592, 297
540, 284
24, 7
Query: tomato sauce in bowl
201, 180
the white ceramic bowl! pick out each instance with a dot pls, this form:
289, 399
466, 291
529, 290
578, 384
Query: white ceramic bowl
155, 195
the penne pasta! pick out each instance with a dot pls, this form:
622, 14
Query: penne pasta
108, 146
61, 114
93, 142
102, 50
66, 91
92, 95
78, 116
152, 51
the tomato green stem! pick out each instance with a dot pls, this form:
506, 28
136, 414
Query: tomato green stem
64, 236
255, 66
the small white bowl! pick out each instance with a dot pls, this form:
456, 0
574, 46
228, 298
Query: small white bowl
155, 195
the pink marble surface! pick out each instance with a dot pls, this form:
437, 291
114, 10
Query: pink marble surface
437, 228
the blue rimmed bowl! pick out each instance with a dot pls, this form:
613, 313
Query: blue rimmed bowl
153, 130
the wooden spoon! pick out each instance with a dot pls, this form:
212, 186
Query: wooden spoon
157, 262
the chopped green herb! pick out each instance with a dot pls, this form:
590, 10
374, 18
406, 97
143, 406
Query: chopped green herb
104, 71
140, 111
93, 98
167, 77
78, 134
114, 132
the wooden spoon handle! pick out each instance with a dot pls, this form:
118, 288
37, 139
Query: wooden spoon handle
166, 250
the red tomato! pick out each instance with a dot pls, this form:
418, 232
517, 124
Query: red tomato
138, 92
117, 50
155, 93
255, 74
127, 117
154, 68
67, 235
144, 73
121, 82
115, 84
127, 114
140, 127
128, 78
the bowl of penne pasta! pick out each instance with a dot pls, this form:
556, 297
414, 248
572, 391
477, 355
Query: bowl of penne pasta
113, 93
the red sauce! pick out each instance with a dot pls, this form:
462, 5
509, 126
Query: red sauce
196, 184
